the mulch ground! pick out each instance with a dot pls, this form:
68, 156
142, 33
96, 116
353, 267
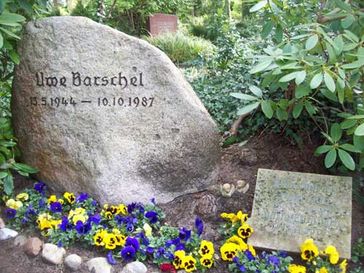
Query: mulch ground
270, 151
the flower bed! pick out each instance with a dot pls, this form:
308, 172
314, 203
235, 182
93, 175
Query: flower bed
137, 232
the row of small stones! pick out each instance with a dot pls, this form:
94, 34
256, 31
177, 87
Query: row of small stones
52, 254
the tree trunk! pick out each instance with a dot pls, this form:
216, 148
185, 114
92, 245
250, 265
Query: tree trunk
228, 8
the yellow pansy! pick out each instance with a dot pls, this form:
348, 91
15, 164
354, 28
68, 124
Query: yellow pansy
206, 261
178, 258
206, 248
76, 211
228, 251
22, 196
99, 237
122, 209
237, 240
309, 250
79, 217
332, 253
322, 270
343, 266
11, 203
147, 229
240, 216
245, 230
293, 268
70, 197
189, 263
52, 199
45, 221
110, 241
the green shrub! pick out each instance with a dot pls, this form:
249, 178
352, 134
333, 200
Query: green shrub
180, 47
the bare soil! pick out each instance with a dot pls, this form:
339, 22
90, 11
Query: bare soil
270, 151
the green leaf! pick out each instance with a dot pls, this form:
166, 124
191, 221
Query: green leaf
1, 41
248, 108
300, 77
356, 117
351, 36
331, 51
360, 130
335, 132
288, 77
260, 66
243, 96
278, 37
342, 5
312, 42
346, 124
354, 65
350, 148
347, 21
3, 175
297, 109
267, 28
267, 108
359, 142
9, 18
316, 80
256, 91
339, 44
330, 158
347, 160
14, 57
24, 168
311, 110
8, 184
258, 6
323, 149
302, 91
11, 34
281, 114
329, 82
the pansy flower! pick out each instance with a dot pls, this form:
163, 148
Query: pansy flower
82, 197
11, 203
206, 261
40, 187
70, 197
55, 207
10, 213
99, 237
245, 230
206, 248
237, 240
22, 197
332, 253
309, 250
152, 216
110, 241
128, 253
189, 263
110, 258
184, 234
228, 251
199, 226
178, 258
293, 268
130, 241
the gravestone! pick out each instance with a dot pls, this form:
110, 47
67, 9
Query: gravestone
290, 207
162, 23
98, 111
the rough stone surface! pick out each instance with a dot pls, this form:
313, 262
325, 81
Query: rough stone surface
20, 240
53, 254
151, 138
2, 223
248, 157
73, 262
206, 206
7, 233
99, 265
290, 207
33, 246
134, 267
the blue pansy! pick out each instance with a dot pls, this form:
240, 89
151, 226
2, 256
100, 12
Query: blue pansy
110, 258
55, 207
82, 197
199, 225
152, 216
128, 253
10, 213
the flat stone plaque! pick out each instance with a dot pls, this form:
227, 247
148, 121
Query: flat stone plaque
290, 207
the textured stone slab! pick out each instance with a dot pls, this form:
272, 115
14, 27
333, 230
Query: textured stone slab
162, 23
290, 207
98, 111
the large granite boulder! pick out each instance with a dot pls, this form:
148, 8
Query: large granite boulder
99, 111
